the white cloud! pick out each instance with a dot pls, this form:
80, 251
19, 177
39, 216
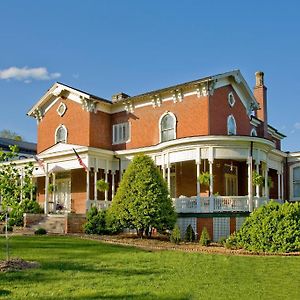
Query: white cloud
27, 74
297, 125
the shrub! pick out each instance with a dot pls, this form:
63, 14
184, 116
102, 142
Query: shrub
175, 235
270, 228
204, 238
40, 231
189, 234
96, 222
142, 200
26, 206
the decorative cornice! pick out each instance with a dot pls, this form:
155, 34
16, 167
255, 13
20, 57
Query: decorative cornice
89, 105
128, 106
38, 115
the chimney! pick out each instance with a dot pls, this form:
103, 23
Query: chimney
260, 94
119, 97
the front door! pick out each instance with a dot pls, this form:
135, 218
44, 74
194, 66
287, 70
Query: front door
63, 195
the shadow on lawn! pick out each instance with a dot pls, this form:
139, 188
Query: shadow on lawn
142, 296
70, 266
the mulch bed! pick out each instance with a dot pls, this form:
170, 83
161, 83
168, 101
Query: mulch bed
16, 264
158, 244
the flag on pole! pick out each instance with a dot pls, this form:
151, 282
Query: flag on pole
80, 161
40, 162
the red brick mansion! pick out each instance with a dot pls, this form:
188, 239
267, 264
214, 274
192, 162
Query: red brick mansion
214, 124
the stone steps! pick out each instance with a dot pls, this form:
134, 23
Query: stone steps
52, 223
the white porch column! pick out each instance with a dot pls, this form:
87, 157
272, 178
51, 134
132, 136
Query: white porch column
106, 180
198, 165
211, 186
46, 211
22, 183
169, 177
54, 192
257, 186
278, 184
282, 186
250, 191
164, 171
112, 185
95, 185
266, 182
87, 203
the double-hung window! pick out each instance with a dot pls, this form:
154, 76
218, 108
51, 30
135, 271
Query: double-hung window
121, 133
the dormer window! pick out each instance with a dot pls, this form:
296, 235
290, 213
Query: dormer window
167, 127
231, 99
61, 134
231, 125
253, 132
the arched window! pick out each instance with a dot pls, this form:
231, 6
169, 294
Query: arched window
61, 134
167, 127
253, 132
231, 125
296, 182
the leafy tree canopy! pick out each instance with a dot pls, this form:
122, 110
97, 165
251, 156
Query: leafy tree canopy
6, 133
142, 200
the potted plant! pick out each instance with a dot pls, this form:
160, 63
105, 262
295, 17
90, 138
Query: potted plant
51, 188
257, 179
204, 179
102, 185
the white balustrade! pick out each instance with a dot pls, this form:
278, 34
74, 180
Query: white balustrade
100, 204
220, 204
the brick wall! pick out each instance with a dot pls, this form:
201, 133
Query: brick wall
74, 223
219, 110
30, 219
208, 223
78, 190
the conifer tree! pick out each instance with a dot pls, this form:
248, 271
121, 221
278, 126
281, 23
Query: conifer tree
142, 201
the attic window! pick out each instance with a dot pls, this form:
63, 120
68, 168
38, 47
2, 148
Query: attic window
231, 99
61, 109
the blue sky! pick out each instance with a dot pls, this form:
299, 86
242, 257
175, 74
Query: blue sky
135, 46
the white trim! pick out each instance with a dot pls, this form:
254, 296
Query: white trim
253, 132
64, 109
66, 134
229, 118
116, 131
231, 99
291, 172
175, 125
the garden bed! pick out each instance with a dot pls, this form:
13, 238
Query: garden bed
162, 243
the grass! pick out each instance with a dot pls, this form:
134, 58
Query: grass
72, 268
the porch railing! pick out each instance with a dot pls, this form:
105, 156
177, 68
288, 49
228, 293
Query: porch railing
100, 204
215, 204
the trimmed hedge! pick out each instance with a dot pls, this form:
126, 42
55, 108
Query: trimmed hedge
270, 228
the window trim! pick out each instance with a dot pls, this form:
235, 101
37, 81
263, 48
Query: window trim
175, 125
66, 132
231, 117
253, 130
233, 99
119, 141
292, 198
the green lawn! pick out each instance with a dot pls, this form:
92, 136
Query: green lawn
72, 268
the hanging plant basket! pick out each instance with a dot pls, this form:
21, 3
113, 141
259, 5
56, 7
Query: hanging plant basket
257, 179
204, 178
102, 186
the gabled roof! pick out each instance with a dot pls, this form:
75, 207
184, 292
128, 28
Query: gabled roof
236, 74
57, 88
